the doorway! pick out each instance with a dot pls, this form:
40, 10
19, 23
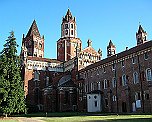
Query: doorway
124, 107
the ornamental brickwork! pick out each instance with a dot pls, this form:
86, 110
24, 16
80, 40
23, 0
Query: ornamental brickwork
79, 80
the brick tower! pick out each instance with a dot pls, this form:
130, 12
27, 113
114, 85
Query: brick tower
141, 36
33, 43
68, 43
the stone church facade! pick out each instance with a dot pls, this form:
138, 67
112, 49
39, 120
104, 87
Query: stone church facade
79, 80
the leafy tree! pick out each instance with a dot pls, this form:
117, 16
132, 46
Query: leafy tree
11, 86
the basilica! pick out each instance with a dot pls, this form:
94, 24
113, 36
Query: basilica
80, 80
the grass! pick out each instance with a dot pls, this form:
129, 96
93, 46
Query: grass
84, 117
109, 118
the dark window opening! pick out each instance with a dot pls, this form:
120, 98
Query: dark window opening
66, 26
106, 102
66, 97
95, 103
122, 64
147, 96
72, 26
66, 32
71, 32
146, 56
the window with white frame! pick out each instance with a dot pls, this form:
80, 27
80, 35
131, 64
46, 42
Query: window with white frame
106, 102
124, 80
113, 66
146, 95
99, 85
135, 77
114, 98
72, 26
66, 32
105, 84
66, 26
92, 87
138, 99
122, 63
47, 81
148, 74
104, 69
114, 82
36, 75
133, 60
146, 56
137, 95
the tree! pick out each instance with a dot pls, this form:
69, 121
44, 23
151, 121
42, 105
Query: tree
12, 98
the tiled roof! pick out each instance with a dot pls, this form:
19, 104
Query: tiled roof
120, 55
43, 59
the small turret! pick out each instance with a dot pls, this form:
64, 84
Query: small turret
111, 49
141, 36
100, 52
89, 43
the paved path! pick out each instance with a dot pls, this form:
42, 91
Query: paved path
28, 119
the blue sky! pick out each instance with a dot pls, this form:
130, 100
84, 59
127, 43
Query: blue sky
98, 20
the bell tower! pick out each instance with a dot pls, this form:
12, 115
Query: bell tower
33, 42
68, 45
141, 36
111, 49
68, 26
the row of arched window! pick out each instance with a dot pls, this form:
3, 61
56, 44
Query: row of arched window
122, 81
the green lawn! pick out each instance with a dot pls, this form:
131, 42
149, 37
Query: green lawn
109, 118
81, 117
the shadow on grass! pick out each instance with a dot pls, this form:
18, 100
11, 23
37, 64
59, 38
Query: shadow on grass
54, 114
123, 120
69, 114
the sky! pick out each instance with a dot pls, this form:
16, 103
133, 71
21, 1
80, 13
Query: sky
98, 20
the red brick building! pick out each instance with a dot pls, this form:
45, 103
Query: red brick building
50, 84
124, 79
78, 80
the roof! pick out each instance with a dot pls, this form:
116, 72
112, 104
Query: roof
68, 16
33, 30
141, 30
120, 55
111, 44
43, 59
66, 81
90, 50
95, 92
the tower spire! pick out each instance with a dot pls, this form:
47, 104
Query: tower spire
141, 35
33, 42
33, 30
111, 49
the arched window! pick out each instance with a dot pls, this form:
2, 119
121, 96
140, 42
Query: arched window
135, 77
36, 75
148, 74
47, 81
105, 84
114, 82
124, 80
99, 86
92, 86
